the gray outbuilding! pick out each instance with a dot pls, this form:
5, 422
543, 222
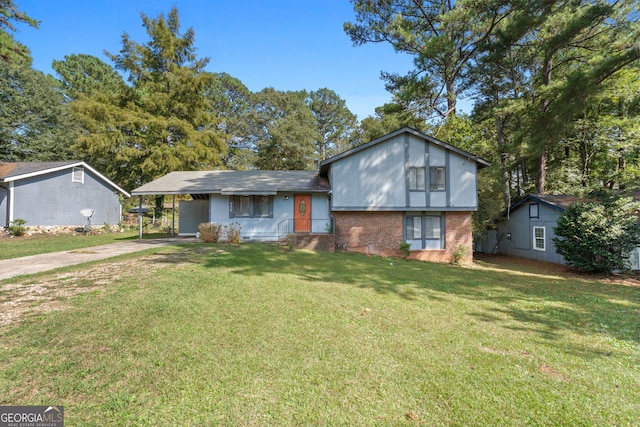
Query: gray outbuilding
54, 193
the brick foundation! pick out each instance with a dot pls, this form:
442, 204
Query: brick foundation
459, 229
314, 242
380, 233
377, 233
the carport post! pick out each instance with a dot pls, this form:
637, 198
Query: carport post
173, 216
140, 219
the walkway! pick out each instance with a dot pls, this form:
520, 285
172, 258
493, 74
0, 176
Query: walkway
39, 263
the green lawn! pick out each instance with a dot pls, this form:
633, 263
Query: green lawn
252, 335
44, 243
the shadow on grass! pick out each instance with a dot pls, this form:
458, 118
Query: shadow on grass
543, 304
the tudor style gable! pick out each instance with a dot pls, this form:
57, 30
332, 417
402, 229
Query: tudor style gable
404, 171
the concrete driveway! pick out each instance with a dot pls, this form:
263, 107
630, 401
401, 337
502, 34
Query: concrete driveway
39, 263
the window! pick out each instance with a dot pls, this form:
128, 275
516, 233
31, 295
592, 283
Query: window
262, 206
423, 227
77, 175
417, 179
437, 178
251, 206
414, 227
432, 228
538, 239
533, 210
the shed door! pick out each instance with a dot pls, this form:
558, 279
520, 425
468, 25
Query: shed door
302, 213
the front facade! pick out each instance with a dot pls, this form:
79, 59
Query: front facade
54, 193
405, 187
266, 205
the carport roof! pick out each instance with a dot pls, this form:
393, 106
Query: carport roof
235, 182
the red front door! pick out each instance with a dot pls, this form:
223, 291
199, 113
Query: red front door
302, 213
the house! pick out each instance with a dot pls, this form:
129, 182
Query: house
528, 232
260, 202
403, 187
54, 193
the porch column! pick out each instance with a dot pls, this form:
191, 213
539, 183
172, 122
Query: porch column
140, 219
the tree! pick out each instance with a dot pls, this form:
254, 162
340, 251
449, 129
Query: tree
163, 121
444, 38
335, 123
598, 237
388, 118
35, 123
285, 130
232, 106
567, 49
12, 51
85, 75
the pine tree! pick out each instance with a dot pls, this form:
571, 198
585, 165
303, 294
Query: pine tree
162, 122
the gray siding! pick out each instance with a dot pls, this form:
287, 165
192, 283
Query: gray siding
4, 207
376, 178
521, 227
54, 200
192, 214
267, 228
371, 179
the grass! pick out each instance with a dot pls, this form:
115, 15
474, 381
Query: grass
253, 335
39, 244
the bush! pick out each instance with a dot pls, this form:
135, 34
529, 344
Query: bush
458, 254
405, 248
292, 241
233, 232
210, 232
598, 237
17, 228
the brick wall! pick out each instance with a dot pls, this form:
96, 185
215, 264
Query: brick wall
459, 230
314, 242
380, 233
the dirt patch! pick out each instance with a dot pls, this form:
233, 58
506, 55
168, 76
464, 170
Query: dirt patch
51, 292
530, 266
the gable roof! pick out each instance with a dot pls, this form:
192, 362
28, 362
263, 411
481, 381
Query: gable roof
559, 202
15, 171
231, 182
324, 165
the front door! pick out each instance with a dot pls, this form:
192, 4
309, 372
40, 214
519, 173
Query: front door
302, 213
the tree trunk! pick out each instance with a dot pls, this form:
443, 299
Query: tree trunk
504, 167
541, 161
541, 175
451, 97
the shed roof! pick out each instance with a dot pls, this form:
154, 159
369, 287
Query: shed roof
235, 182
559, 202
15, 171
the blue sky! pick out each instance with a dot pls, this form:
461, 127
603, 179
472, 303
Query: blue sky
285, 44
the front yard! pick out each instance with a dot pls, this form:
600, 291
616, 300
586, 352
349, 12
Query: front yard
253, 335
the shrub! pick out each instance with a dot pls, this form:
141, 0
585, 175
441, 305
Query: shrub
598, 237
17, 228
210, 232
292, 240
458, 254
405, 248
233, 232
